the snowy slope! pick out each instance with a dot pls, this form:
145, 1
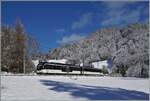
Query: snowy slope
58, 61
100, 64
73, 88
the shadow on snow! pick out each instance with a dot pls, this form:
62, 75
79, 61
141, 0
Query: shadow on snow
95, 92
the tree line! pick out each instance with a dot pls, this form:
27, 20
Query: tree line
17, 48
127, 47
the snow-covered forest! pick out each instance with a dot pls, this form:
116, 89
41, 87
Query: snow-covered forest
126, 47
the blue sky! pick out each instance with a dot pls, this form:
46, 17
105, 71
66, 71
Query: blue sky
56, 23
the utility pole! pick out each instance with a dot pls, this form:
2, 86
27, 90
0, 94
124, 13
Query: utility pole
24, 60
24, 56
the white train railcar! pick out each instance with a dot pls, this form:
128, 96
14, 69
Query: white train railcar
96, 64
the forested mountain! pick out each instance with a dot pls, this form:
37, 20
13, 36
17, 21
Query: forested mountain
127, 47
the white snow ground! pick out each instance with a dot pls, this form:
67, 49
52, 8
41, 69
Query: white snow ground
73, 88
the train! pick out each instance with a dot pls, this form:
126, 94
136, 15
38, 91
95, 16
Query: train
55, 67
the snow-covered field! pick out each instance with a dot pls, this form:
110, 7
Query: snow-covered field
73, 88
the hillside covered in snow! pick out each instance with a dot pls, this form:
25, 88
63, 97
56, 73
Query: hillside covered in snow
126, 47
